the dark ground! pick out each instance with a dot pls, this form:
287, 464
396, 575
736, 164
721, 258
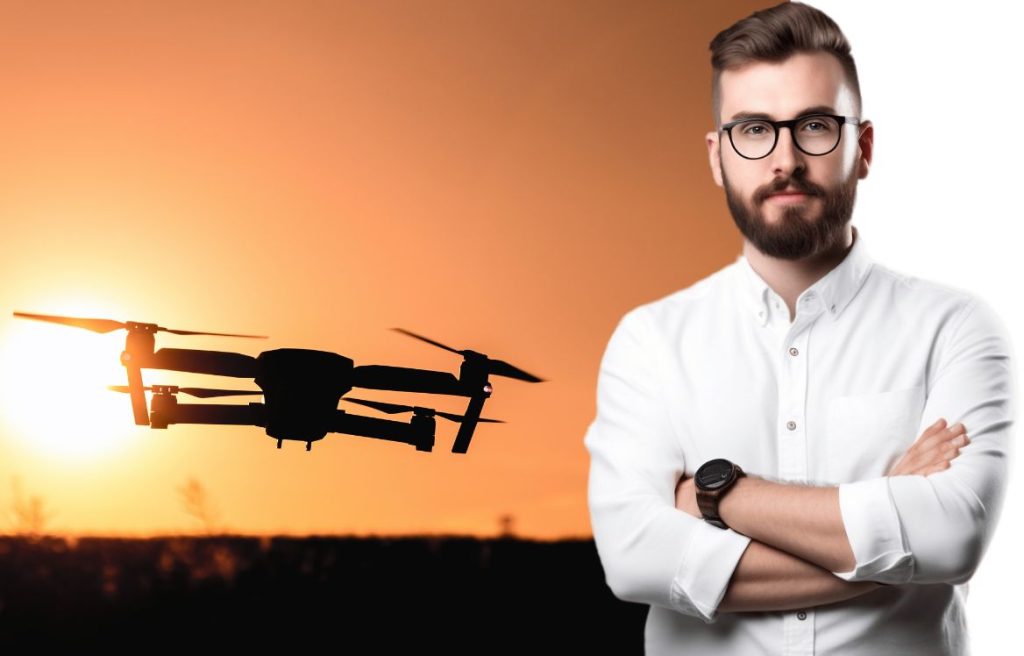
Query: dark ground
373, 595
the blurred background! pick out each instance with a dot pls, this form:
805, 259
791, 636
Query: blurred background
509, 177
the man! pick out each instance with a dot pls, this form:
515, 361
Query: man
772, 470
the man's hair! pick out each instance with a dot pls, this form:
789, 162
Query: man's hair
773, 35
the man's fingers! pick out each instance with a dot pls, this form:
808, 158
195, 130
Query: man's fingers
949, 449
955, 435
934, 429
943, 436
937, 468
933, 451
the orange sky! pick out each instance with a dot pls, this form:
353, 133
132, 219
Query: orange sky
509, 177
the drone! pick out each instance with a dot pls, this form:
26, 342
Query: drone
301, 387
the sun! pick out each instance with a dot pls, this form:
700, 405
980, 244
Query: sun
53, 388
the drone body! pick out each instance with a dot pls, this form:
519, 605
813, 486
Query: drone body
301, 388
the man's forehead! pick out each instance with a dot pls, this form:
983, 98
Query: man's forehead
801, 84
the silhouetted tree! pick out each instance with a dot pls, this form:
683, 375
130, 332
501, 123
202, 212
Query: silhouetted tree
29, 515
198, 504
507, 525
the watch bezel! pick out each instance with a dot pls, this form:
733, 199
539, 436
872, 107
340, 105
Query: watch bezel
715, 474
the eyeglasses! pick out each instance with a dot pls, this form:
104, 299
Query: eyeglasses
814, 134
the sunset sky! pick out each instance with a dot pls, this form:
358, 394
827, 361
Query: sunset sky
509, 177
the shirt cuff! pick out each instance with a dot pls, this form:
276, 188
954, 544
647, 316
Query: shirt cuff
875, 533
706, 569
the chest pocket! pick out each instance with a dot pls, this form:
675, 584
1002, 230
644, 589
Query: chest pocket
867, 433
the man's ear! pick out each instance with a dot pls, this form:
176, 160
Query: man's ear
866, 148
715, 156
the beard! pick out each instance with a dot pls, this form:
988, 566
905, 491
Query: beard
794, 236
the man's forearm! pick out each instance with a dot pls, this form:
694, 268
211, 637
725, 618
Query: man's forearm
768, 579
803, 521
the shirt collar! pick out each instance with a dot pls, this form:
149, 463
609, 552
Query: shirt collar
836, 288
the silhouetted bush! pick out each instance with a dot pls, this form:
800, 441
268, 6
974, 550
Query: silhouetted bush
456, 593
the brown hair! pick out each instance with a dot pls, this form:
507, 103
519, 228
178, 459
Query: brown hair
773, 35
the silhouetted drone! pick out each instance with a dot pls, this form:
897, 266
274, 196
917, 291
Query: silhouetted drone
301, 387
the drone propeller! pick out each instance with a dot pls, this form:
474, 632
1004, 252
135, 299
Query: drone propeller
109, 325
393, 408
200, 392
496, 367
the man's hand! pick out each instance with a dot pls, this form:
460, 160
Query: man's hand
686, 496
933, 451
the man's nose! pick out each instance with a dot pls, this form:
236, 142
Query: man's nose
786, 157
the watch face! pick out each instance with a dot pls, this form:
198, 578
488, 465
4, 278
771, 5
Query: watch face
713, 474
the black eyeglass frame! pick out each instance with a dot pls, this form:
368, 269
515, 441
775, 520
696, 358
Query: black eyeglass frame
791, 123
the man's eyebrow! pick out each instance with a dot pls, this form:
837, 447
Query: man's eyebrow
816, 109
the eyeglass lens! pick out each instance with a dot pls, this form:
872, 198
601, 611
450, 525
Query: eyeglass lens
815, 134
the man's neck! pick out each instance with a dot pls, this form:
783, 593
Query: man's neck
789, 278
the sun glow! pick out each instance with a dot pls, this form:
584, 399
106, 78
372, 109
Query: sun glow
53, 392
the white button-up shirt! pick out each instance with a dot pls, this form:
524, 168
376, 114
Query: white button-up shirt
833, 398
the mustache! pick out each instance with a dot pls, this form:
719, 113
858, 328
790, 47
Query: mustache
801, 186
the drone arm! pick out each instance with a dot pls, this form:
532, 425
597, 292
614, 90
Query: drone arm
406, 379
384, 429
217, 363
252, 414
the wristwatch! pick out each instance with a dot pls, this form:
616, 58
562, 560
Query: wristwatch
712, 480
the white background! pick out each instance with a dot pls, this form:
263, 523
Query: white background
940, 82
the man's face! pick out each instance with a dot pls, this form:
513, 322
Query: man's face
795, 227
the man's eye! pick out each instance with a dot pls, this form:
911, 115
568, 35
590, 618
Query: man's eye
820, 125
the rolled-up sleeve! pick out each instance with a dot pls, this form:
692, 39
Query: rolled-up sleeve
651, 551
936, 528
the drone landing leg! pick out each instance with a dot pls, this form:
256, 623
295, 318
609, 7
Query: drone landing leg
138, 395
309, 446
279, 443
476, 404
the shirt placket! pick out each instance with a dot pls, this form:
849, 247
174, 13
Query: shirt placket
791, 358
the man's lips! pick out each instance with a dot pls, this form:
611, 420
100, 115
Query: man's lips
789, 195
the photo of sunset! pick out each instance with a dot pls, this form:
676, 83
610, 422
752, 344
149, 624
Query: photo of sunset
304, 305
321, 173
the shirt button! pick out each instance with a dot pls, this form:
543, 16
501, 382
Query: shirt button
791, 425
793, 351
801, 615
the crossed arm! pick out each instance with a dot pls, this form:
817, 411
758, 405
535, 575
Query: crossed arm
793, 529
788, 546
800, 554
798, 538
